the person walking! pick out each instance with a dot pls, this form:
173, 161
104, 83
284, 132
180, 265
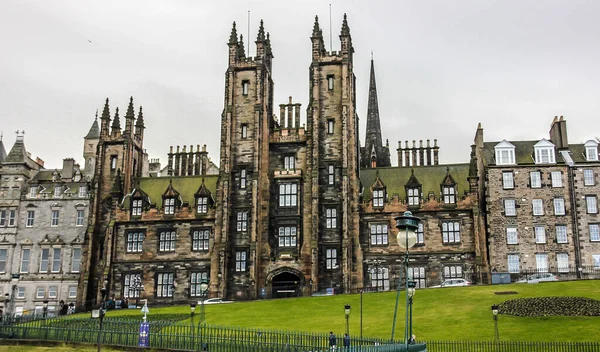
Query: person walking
346, 342
332, 341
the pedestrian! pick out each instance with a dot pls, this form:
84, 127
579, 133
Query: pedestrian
412, 340
332, 340
346, 342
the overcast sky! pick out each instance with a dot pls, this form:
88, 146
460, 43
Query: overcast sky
441, 66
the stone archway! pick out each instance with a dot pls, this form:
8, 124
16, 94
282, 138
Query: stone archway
286, 282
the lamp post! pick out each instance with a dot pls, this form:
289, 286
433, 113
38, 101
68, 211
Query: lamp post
102, 311
347, 314
411, 292
45, 308
407, 226
360, 290
495, 314
203, 292
14, 280
192, 313
135, 287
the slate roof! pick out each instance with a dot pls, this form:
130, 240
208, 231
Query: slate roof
431, 177
524, 153
94, 131
186, 186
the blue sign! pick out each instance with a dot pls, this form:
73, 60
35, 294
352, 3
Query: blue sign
144, 340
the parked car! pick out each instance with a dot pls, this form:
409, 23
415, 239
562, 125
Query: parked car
214, 301
535, 278
453, 283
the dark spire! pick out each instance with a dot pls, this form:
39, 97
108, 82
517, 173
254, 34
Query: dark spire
106, 111
345, 28
94, 130
241, 52
268, 49
2, 150
261, 33
140, 119
105, 120
233, 36
129, 117
116, 125
18, 153
316, 30
373, 140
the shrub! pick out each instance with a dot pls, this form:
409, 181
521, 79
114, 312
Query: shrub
551, 306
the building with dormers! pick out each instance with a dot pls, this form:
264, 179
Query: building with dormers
541, 204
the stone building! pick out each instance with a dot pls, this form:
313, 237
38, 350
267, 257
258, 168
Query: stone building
43, 217
540, 199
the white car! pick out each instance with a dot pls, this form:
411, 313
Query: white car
453, 283
536, 278
214, 301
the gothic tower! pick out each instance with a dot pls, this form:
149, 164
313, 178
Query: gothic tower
374, 154
90, 145
331, 200
241, 226
118, 161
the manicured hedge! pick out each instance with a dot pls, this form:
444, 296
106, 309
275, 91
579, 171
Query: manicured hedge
551, 306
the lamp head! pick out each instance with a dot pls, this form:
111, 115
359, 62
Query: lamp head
203, 286
495, 309
45, 304
193, 306
407, 226
347, 309
411, 288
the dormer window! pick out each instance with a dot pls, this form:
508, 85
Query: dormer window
544, 152
378, 197
136, 207
169, 206
82, 190
505, 153
413, 196
449, 194
57, 191
289, 162
591, 150
202, 205
33, 190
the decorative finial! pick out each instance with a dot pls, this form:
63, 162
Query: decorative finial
345, 28
96, 114
233, 36
261, 33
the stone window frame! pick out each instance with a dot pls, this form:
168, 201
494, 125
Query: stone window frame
380, 278
72, 293
379, 234
420, 235
244, 128
33, 190
196, 278
288, 195
52, 289
455, 232
591, 204
539, 267
535, 179
241, 260
562, 268
289, 162
24, 264
3, 260
452, 271
243, 178
3, 217
331, 258
540, 234
128, 292
537, 207
169, 205
561, 236
591, 150
596, 261
55, 216
137, 206
378, 198
30, 219
167, 240
113, 162
165, 284
77, 217
76, 259
82, 191
134, 240
594, 231
242, 220
449, 194
330, 126
589, 177
506, 184
202, 205
245, 87
512, 235
418, 274
200, 237
58, 191
559, 206
40, 292
413, 196
331, 218
512, 265
513, 209
330, 82
330, 175
556, 179
287, 237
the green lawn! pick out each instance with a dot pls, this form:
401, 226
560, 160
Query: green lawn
460, 313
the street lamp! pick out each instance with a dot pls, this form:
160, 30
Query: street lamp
192, 313
407, 226
101, 312
495, 314
411, 292
360, 290
203, 292
347, 314
45, 308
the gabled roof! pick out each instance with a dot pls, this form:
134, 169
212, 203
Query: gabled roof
543, 143
448, 180
430, 178
2, 151
504, 144
378, 184
171, 192
413, 181
18, 153
94, 132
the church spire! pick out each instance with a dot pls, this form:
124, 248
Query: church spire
139, 125
105, 119
129, 117
115, 129
373, 140
233, 36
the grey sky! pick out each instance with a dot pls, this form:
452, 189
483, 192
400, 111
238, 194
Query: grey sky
442, 67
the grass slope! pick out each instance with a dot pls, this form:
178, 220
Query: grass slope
460, 313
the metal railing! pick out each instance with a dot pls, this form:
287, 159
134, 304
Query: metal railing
174, 332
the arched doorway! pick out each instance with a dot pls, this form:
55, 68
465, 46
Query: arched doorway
286, 284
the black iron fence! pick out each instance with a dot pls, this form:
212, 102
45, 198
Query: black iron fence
175, 332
